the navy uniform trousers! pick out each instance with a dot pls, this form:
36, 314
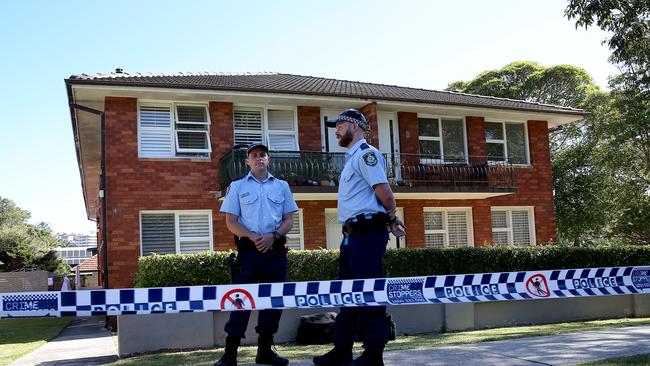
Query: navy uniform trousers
256, 267
362, 257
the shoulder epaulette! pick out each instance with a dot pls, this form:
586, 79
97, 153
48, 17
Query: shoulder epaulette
364, 146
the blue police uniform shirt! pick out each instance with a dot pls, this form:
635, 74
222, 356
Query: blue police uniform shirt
259, 205
364, 168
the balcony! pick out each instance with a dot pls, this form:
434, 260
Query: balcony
311, 172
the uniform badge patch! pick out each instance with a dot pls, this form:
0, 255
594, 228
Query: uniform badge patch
370, 159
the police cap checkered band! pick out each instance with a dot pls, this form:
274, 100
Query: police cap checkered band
256, 145
350, 115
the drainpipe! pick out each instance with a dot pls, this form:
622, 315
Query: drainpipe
102, 179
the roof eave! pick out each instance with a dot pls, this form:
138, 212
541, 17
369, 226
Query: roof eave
343, 95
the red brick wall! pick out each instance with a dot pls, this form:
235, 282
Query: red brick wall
370, 111
134, 185
309, 127
535, 184
314, 222
476, 146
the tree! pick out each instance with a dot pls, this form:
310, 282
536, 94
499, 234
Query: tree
26, 246
626, 134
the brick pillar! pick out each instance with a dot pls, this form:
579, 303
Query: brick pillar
482, 222
476, 146
409, 134
222, 136
540, 159
309, 129
414, 221
123, 243
313, 224
370, 111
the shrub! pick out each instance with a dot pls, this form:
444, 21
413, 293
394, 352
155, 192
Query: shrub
312, 265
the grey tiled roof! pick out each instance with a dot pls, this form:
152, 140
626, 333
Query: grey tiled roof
309, 85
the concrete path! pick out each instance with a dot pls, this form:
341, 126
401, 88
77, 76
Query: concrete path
84, 341
564, 349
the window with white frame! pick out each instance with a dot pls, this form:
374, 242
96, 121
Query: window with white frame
448, 227
173, 130
164, 232
441, 139
506, 141
295, 236
273, 126
513, 226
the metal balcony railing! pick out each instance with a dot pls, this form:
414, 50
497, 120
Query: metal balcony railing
301, 168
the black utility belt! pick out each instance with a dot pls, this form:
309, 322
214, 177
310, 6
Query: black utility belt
246, 245
362, 222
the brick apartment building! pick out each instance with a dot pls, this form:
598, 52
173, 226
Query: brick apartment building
466, 169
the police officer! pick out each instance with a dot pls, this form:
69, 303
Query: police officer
366, 208
259, 212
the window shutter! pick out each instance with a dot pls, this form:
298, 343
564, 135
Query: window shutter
194, 232
294, 236
520, 227
155, 131
280, 120
282, 134
248, 125
158, 235
457, 227
434, 235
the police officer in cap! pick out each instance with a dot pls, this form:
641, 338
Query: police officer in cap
367, 210
259, 212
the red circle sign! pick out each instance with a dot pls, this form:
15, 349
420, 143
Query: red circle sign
237, 299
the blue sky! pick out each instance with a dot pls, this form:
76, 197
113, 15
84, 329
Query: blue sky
424, 44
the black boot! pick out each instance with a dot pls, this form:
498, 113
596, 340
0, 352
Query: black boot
337, 356
265, 355
229, 358
369, 357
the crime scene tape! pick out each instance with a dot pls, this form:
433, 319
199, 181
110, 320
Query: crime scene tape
481, 287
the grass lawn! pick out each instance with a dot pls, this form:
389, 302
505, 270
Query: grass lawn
298, 352
632, 360
19, 337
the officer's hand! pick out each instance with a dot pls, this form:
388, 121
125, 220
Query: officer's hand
397, 228
264, 243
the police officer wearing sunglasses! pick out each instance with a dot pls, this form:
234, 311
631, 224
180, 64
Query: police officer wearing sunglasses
367, 210
259, 212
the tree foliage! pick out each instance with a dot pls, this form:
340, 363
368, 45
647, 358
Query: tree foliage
598, 191
26, 246
625, 134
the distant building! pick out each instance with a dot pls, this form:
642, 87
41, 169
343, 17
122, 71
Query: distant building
79, 240
75, 255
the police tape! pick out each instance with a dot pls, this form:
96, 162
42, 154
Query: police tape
505, 286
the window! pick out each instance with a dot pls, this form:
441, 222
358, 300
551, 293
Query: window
175, 232
171, 130
441, 140
507, 142
276, 127
447, 227
513, 226
295, 237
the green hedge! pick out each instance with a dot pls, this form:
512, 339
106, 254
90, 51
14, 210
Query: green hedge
210, 268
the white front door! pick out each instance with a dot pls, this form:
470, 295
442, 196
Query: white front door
334, 236
388, 131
